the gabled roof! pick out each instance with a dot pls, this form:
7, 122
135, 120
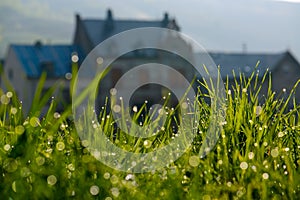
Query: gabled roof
100, 29
245, 62
32, 58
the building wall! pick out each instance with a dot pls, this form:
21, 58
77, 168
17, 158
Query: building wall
80, 36
285, 76
17, 77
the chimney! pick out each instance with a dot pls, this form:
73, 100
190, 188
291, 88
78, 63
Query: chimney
109, 15
165, 20
38, 44
109, 24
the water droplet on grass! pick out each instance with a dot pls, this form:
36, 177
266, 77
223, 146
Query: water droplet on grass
106, 175
25, 172
244, 165
194, 161
94, 190
280, 134
10, 165
114, 179
134, 109
4, 99
19, 130
206, 197
265, 176
274, 152
13, 186
7, 147
258, 110
13, 110
251, 155
40, 160
115, 191
60, 146
71, 167
51, 180
56, 115
85, 143
116, 108
34, 121
147, 144
229, 184
286, 149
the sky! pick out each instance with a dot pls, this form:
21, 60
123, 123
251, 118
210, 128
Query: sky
265, 26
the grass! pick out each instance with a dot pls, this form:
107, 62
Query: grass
256, 157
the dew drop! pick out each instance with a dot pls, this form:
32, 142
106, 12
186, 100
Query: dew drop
4, 99
60, 146
7, 147
114, 179
229, 184
85, 143
194, 161
258, 110
51, 180
274, 152
206, 197
25, 172
184, 105
34, 121
19, 130
135, 109
147, 144
116, 108
115, 191
74, 58
56, 115
94, 190
265, 175
286, 149
280, 134
13, 186
13, 111
244, 165
106, 175
10, 165
251, 155
40, 160
71, 167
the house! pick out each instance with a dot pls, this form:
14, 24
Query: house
283, 66
25, 64
91, 32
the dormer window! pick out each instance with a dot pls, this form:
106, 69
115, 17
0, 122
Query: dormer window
48, 67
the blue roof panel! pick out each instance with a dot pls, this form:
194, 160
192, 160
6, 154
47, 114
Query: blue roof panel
32, 57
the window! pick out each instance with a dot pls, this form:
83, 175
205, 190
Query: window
48, 67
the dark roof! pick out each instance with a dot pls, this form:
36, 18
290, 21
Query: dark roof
245, 62
32, 57
100, 29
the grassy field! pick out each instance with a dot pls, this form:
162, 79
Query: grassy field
256, 157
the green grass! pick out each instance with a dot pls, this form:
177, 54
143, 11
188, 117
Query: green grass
256, 157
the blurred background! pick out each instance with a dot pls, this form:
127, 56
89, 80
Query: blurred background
227, 25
